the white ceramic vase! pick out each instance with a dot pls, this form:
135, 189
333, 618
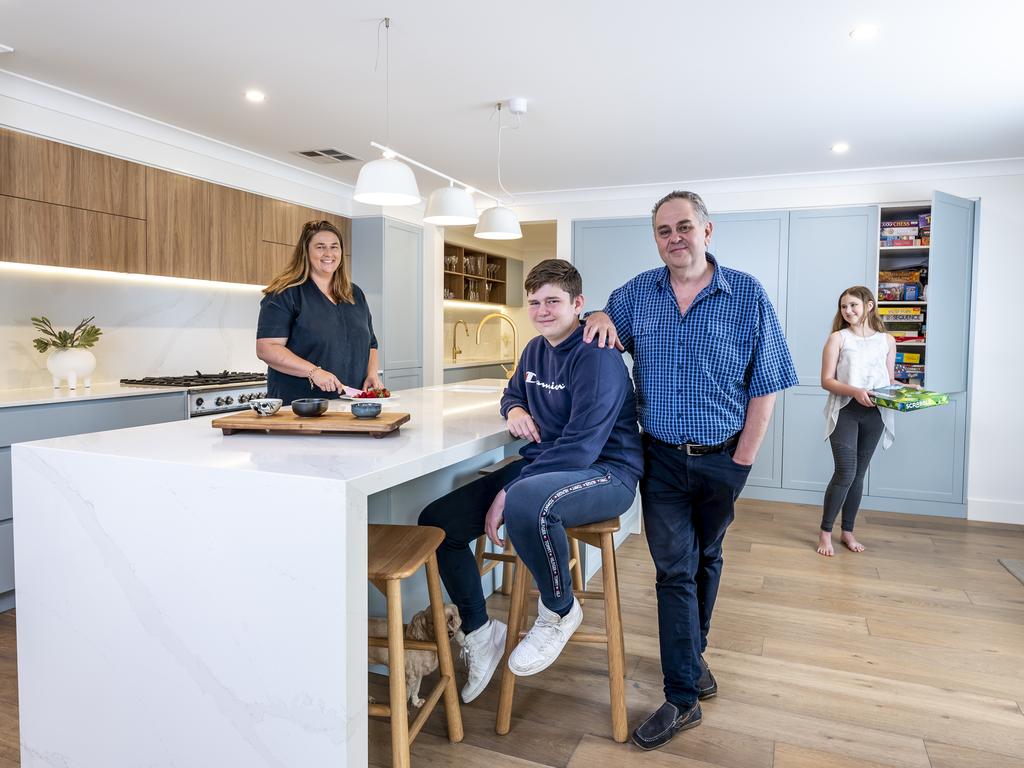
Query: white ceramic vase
72, 364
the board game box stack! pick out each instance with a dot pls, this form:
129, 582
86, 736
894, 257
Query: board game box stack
909, 232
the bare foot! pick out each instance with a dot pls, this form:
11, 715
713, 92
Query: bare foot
851, 543
825, 544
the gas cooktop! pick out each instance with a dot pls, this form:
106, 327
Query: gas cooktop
198, 380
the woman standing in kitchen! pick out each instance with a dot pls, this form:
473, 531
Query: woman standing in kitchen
315, 332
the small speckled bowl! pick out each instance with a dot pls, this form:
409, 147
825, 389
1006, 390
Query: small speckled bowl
365, 410
266, 406
309, 406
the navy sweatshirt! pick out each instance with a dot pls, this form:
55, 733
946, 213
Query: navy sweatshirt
581, 398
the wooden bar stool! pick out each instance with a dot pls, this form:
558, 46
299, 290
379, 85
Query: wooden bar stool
598, 535
396, 552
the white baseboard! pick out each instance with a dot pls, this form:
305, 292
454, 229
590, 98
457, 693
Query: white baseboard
995, 511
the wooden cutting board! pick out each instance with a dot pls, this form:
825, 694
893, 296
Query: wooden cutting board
333, 422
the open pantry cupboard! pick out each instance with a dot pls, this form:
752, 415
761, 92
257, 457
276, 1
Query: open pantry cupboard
925, 260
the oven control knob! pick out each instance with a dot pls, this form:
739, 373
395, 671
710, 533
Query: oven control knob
243, 398
219, 401
229, 400
199, 401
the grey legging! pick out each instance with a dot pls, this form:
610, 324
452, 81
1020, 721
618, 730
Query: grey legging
853, 442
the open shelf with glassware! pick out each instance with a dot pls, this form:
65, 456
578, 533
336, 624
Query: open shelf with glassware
902, 293
473, 275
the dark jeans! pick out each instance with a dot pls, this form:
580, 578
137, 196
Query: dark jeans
537, 511
688, 505
853, 442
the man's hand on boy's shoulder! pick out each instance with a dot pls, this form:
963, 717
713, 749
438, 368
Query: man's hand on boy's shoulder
521, 424
601, 327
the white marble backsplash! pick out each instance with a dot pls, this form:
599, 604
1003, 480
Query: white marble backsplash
151, 326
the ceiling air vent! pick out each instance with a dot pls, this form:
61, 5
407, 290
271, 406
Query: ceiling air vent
325, 155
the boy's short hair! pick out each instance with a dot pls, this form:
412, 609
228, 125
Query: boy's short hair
555, 272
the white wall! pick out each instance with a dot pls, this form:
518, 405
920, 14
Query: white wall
995, 485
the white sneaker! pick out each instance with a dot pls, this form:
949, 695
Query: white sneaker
482, 651
542, 644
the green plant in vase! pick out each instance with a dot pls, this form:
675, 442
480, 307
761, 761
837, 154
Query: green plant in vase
70, 357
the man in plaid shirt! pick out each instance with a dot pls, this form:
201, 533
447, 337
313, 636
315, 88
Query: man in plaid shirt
708, 358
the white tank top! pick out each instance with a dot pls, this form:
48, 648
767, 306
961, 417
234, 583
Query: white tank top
862, 365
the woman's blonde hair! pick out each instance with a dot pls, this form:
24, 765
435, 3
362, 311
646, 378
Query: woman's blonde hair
870, 316
297, 270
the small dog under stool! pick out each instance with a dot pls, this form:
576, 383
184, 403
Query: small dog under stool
418, 664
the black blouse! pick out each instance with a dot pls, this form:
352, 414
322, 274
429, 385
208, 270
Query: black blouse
337, 337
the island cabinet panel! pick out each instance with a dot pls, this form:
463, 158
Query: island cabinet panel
176, 232
34, 233
24, 423
47, 171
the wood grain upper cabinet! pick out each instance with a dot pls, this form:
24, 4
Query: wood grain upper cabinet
49, 172
281, 228
233, 231
176, 232
34, 233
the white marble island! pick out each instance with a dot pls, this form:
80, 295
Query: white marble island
190, 599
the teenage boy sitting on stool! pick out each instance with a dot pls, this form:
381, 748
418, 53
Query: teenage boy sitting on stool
573, 403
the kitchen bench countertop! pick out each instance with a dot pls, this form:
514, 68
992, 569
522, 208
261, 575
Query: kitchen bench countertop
215, 585
10, 398
471, 363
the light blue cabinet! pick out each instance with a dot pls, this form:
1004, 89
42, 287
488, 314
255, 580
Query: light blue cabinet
758, 244
950, 266
925, 461
513, 282
829, 251
23, 423
387, 263
608, 252
804, 259
807, 463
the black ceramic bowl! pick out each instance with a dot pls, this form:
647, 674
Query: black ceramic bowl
365, 410
309, 406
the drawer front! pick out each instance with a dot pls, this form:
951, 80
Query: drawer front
6, 556
6, 500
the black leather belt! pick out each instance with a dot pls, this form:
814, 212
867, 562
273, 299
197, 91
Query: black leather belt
696, 449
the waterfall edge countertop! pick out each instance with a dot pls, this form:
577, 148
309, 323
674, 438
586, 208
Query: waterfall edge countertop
214, 585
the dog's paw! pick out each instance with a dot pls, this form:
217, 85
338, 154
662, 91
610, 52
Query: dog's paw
372, 700
417, 702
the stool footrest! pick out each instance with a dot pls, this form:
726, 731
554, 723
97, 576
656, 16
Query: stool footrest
499, 556
379, 710
427, 708
582, 637
410, 645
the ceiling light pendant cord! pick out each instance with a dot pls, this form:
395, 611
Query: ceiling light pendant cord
500, 185
386, 23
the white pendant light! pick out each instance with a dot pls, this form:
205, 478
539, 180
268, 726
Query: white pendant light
498, 223
451, 206
386, 182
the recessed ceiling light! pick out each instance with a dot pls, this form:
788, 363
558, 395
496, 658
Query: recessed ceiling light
255, 96
864, 32
840, 147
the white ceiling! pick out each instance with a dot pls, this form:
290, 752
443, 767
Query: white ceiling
621, 93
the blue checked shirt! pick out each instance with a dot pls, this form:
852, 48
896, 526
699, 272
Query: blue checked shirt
696, 373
